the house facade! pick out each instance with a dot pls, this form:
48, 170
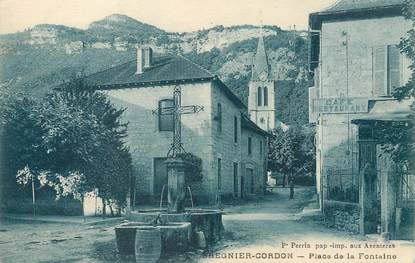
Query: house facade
219, 134
357, 65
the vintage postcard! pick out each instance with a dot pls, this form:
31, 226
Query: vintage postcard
207, 131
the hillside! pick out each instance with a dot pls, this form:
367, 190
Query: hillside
42, 56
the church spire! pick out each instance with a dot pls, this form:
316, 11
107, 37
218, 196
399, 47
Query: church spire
260, 68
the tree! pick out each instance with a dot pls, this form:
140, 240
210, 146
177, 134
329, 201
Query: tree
72, 140
398, 137
407, 46
291, 152
20, 139
84, 132
282, 151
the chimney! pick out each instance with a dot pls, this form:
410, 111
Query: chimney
140, 61
144, 59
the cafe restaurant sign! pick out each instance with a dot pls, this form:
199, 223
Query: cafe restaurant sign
340, 105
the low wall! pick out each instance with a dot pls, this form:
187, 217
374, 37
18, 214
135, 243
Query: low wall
342, 215
44, 206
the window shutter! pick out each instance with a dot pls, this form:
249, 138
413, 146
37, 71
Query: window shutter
219, 173
394, 65
379, 71
235, 129
249, 145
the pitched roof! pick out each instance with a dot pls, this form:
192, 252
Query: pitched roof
246, 123
348, 5
260, 62
164, 68
356, 9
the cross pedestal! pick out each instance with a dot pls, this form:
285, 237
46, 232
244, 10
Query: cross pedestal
176, 184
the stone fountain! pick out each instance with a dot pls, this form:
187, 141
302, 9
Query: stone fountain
205, 224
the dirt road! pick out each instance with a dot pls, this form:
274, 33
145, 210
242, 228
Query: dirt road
257, 226
275, 229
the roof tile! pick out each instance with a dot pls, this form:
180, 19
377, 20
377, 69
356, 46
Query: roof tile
165, 68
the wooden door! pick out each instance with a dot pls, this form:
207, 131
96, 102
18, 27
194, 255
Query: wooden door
250, 179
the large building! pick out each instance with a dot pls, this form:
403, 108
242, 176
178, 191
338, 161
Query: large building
357, 65
231, 146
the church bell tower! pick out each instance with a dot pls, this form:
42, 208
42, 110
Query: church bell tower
261, 99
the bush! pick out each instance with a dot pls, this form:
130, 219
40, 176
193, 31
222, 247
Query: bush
193, 167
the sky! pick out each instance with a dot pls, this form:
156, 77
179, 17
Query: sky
170, 15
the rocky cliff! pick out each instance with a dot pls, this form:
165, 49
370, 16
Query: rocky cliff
42, 56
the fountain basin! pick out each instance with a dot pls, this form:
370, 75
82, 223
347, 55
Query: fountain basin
175, 236
207, 221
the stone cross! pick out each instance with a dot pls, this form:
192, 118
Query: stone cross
177, 110
176, 190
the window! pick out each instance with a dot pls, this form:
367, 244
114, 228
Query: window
259, 96
235, 179
235, 129
219, 117
166, 121
249, 145
265, 96
219, 173
386, 69
260, 147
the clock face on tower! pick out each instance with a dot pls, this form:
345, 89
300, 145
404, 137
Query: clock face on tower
263, 76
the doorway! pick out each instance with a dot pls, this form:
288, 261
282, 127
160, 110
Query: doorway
160, 175
250, 177
369, 192
235, 180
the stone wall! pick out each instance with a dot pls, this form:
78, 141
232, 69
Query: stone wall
343, 216
347, 71
45, 205
255, 161
363, 35
337, 150
145, 140
223, 144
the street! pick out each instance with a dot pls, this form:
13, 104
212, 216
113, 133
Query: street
257, 226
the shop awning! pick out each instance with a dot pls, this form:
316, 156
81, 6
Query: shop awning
387, 111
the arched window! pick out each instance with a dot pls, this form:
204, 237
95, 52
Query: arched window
265, 96
259, 96
165, 119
